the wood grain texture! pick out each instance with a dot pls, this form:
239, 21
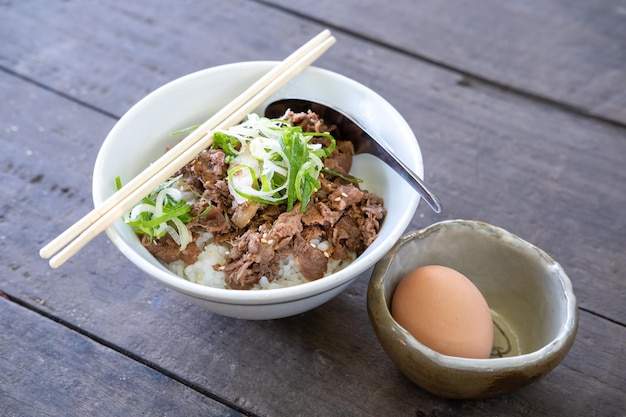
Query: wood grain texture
50, 370
477, 140
570, 52
536, 169
102, 293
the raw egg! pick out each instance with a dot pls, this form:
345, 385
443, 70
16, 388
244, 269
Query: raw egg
445, 311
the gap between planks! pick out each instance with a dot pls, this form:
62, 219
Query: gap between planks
126, 353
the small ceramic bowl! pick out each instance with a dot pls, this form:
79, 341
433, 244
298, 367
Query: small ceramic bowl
142, 135
530, 297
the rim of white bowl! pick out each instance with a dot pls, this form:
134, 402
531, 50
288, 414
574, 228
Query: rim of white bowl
266, 296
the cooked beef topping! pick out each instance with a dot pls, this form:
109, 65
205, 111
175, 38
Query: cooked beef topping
313, 262
167, 250
341, 215
340, 160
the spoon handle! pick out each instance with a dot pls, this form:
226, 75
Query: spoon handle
349, 129
405, 172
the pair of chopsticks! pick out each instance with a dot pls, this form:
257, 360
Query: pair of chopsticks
68, 243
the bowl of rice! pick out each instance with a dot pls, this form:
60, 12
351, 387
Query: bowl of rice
213, 266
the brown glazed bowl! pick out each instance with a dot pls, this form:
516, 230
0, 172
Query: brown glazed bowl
531, 299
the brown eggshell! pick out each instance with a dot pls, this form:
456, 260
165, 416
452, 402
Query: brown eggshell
445, 311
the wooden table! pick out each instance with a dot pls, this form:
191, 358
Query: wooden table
520, 110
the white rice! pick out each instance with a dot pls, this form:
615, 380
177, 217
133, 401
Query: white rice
202, 272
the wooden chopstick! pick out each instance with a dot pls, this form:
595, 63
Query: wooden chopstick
78, 235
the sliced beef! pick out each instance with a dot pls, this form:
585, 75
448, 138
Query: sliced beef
167, 250
213, 220
340, 160
210, 165
374, 213
238, 274
309, 121
286, 226
320, 213
194, 184
340, 214
346, 238
251, 257
312, 261
259, 246
344, 196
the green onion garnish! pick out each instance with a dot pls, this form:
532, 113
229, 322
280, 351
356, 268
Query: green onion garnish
163, 211
273, 162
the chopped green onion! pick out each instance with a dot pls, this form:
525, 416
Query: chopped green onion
227, 143
185, 130
271, 162
348, 178
286, 165
163, 211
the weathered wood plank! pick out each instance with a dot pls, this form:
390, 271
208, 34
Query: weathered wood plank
536, 170
493, 140
320, 371
567, 51
330, 353
140, 45
469, 121
50, 370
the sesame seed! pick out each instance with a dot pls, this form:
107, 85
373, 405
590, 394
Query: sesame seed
344, 194
221, 268
263, 240
338, 199
312, 245
269, 242
326, 254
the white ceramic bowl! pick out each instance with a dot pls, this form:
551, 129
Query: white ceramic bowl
141, 137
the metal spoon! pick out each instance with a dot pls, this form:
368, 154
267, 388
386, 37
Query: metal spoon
348, 129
